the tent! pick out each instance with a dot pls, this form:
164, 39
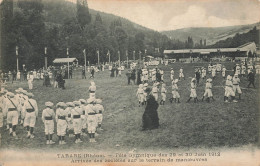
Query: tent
65, 60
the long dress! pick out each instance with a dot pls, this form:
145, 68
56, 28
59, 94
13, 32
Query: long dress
150, 116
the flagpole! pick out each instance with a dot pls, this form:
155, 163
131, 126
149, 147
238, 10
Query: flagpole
85, 60
126, 58
108, 53
68, 63
45, 58
119, 58
98, 56
134, 55
17, 60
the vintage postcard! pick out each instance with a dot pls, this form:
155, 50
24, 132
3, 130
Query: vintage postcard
129, 82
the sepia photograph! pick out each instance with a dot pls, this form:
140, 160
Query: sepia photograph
130, 82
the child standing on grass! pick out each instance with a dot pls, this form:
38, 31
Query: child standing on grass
193, 93
48, 116
140, 95
61, 119
69, 108
208, 90
175, 93
163, 93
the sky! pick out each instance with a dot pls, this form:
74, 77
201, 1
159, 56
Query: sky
163, 15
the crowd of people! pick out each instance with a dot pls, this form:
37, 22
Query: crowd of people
84, 116
80, 117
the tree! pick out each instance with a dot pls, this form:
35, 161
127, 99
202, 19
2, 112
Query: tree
83, 14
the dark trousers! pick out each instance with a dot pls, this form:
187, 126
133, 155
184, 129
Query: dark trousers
251, 82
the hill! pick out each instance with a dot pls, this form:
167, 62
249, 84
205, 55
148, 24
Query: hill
212, 35
34, 25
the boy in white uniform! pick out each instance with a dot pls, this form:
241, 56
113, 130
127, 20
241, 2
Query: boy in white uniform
237, 69
92, 121
224, 72
236, 87
83, 103
30, 80
99, 113
162, 73
31, 113
48, 116
172, 74
76, 115
69, 108
213, 72
181, 75
163, 93
92, 89
193, 93
155, 90
229, 90
208, 90
10, 110
203, 73
243, 70
140, 95
175, 93
61, 119
145, 93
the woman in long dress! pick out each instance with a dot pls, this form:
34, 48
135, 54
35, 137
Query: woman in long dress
150, 117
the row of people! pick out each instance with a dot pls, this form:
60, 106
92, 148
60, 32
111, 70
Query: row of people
231, 88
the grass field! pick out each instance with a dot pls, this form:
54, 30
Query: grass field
183, 125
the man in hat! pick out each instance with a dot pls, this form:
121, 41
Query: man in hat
140, 94
61, 119
236, 87
91, 120
251, 78
208, 90
31, 113
163, 94
92, 90
197, 75
10, 110
175, 93
48, 116
193, 93
181, 75
69, 108
76, 114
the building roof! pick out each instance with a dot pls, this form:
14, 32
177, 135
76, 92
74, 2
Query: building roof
244, 48
65, 60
